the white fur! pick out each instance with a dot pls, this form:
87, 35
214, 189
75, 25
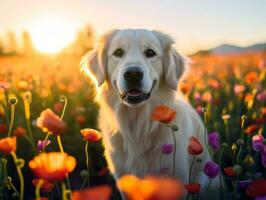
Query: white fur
131, 139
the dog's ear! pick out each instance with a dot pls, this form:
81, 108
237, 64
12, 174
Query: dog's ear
174, 63
94, 63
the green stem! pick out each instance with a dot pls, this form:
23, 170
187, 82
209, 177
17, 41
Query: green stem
20, 175
64, 99
60, 144
190, 169
220, 177
64, 196
174, 152
238, 155
12, 116
87, 179
209, 185
38, 188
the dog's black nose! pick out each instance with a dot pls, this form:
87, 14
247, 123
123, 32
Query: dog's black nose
133, 74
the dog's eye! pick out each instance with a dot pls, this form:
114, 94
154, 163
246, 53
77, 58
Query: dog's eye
119, 52
149, 53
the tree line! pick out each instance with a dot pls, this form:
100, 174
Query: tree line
14, 44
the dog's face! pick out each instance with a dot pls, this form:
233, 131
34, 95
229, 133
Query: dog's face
135, 62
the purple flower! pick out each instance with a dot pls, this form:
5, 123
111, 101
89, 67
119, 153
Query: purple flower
167, 148
42, 144
214, 140
260, 198
244, 184
257, 142
211, 169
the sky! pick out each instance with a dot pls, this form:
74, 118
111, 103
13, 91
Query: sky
195, 24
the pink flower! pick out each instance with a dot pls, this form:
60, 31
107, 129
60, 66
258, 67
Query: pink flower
42, 144
197, 97
257, 142
239, 89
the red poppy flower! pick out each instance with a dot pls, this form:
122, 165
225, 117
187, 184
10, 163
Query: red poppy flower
100, 193
8, 145
257, 188
3, 128
54, 166
229, 171
50, 122
19, 131
163, 114
91, 135
193, 187
194, 146
251, 129
46, 186
80, 119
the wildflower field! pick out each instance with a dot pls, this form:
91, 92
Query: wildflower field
50, 147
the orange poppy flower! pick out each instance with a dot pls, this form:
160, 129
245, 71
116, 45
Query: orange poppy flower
263, 111
54, 166
150, 188
193, 187
100, 193
8, 145
185, 88
50, 122
3, 128
163, 114
194, 146
19, 131
251, 77
257, 188
251, 129
47, 186
207, 97
229, 171
91, 135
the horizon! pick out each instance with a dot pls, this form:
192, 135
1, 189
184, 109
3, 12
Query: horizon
53, 22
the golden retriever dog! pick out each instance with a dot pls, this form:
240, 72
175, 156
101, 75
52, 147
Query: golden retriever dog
137, 70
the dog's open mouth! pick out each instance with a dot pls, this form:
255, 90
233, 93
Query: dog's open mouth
135, 96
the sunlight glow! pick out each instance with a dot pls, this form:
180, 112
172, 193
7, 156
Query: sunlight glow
50, 35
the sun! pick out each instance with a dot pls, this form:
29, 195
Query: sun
50, 35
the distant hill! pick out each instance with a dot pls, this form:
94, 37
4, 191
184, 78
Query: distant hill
232, 49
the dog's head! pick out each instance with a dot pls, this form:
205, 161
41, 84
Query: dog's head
135, 63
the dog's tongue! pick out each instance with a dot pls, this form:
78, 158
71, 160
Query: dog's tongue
134, 92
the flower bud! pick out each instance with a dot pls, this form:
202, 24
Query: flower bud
204, 110
12, 100
84, 173
240, 142
237, 169
175, 128
20, 162
234, 147
224, 145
